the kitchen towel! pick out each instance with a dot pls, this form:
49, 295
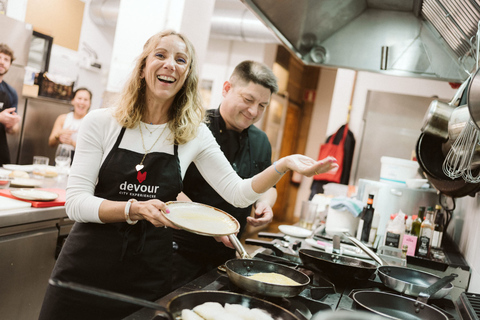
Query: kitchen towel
352, 205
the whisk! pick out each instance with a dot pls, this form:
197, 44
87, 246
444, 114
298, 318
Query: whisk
460, 155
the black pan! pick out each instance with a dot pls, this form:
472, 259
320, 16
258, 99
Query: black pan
184, 301
409, 281
430, 158
393, 306
192, 299
337, 267
239, 270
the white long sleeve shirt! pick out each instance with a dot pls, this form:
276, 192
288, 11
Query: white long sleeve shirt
97, 136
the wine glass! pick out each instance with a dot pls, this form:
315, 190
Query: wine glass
63, 157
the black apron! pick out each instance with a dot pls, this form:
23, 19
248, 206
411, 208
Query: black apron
131, 259
5, 103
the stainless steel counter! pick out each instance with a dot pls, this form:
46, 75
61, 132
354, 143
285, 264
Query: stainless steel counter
30, 240
16, 217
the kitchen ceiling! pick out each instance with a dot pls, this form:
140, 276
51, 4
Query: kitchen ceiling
415, 38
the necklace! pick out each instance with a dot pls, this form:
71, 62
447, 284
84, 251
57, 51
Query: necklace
151, 132
140, 166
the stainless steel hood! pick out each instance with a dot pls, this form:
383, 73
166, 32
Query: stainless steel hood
415, 38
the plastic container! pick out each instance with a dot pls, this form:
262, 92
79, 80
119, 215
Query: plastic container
397, 171
340, 221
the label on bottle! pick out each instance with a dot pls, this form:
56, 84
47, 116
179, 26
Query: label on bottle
423, 246
411, 242
373, 234
359, 229
437, 239
392, 239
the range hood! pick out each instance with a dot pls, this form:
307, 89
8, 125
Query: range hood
415, 38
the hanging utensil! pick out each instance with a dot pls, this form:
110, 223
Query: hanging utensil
460, 154
436, 120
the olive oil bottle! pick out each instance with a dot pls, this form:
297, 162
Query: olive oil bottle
416, 224
426, 234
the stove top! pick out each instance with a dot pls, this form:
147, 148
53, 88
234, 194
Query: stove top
320, 295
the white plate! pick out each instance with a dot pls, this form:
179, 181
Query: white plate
345, 249
294, 231
13, 167
27, 183
34, 195
201, 219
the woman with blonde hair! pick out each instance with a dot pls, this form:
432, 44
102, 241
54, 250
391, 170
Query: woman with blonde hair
131, 160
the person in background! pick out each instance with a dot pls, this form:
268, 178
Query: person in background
9, 119
246, 95
129, 161
66, 125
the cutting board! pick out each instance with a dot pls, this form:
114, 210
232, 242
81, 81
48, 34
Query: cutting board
8, 204
60, 201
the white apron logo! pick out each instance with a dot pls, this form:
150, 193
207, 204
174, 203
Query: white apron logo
135, 189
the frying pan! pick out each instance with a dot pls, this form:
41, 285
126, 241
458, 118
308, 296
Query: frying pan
184, 301
338, 267
192, 299
393, 306
408, 281
205, 220
346, 315
239, 270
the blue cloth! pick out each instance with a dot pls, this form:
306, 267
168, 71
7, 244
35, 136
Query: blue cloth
354, 206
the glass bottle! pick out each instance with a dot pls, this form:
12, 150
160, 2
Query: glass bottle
439, 226
367, 217
408, 225
416, 224
426, 234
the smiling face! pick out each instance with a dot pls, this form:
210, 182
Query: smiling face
5, 63
81, 103
166, 69
243, 104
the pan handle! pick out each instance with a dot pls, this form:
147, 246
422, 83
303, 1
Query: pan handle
272, 235
367, 250
110, 295
425, 295
239, 247
266, 244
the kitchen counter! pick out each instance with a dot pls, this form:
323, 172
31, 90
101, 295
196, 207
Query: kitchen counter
30, 240
15, 217
22, 216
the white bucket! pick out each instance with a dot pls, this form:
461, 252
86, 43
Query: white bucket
396, 170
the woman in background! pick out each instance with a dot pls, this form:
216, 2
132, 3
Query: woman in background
66, 126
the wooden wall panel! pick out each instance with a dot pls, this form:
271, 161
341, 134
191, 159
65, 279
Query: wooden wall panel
61, 19
296, 130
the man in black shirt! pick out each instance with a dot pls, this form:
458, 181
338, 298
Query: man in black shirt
9, 119
246, 95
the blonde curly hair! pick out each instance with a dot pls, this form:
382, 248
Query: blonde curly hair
186, 112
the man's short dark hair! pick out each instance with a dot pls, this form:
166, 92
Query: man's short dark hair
255, 72
7, 50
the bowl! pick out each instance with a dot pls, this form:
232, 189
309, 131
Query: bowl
415, 183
